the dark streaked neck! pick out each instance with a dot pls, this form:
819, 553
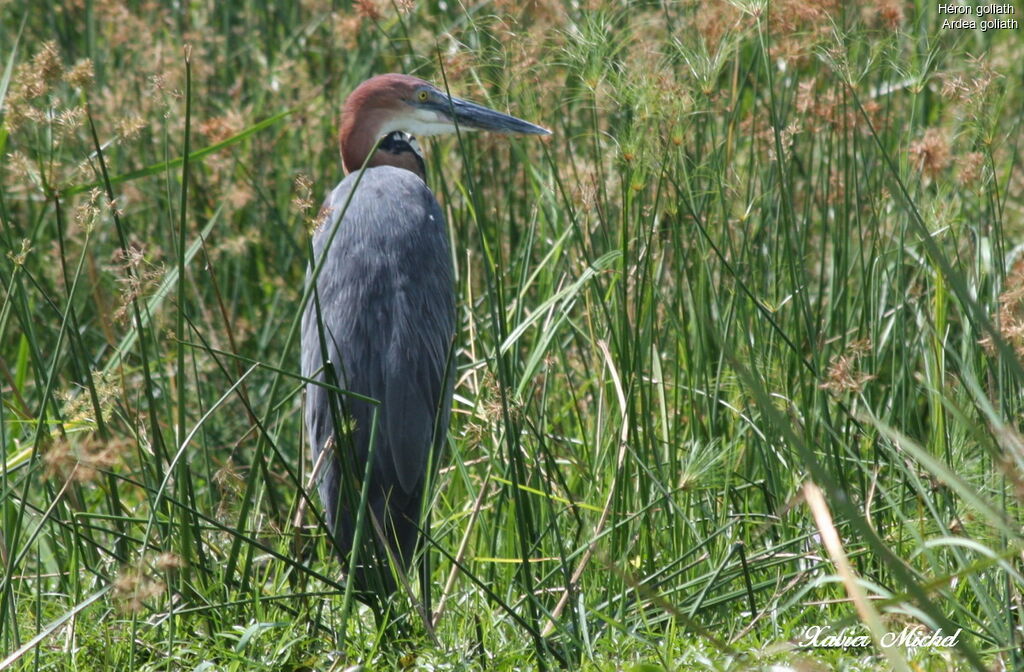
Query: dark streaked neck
400, 150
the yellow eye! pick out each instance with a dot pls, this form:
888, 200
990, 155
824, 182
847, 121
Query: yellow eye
422, 95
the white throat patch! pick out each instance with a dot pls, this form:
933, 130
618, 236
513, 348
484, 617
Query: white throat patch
419, 122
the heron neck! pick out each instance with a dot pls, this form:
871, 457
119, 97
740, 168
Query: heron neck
405, 161
397, 149
356, 143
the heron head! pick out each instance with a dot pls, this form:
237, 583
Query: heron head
394, 103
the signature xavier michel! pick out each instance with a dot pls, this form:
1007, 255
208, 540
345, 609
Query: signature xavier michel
824, 637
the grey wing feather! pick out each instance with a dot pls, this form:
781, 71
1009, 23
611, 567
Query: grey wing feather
387, 309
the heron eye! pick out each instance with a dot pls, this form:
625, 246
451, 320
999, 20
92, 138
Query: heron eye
422, 95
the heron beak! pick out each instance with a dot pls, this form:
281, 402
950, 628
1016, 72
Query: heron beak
470, 115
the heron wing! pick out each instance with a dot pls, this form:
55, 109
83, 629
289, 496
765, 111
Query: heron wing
387, 307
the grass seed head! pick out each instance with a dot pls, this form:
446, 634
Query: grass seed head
167, 561
969, 168
1010, 317
18, 258
128, 128
303, 190
82, 459
132, 589
843, 373
931, 153
81, 74
86, 212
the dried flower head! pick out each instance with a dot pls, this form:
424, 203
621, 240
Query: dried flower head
18, 258
368, 9
931, 153
128, 128
33, 80
219, 129
135, 273
132, 589
168, 561
303, 198
70, 120
786, 138
87, 211
887, 13
955, 87
47, 64
81, 74
20, 166
843, 374
321, 219
345, 30
1010, 317
969, 168
891, 12
82, 459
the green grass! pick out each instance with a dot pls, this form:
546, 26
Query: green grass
768, 245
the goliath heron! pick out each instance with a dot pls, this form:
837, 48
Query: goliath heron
380, 323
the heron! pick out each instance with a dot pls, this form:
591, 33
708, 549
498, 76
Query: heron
379, 325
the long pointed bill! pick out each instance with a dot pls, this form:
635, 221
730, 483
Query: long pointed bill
470, 115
